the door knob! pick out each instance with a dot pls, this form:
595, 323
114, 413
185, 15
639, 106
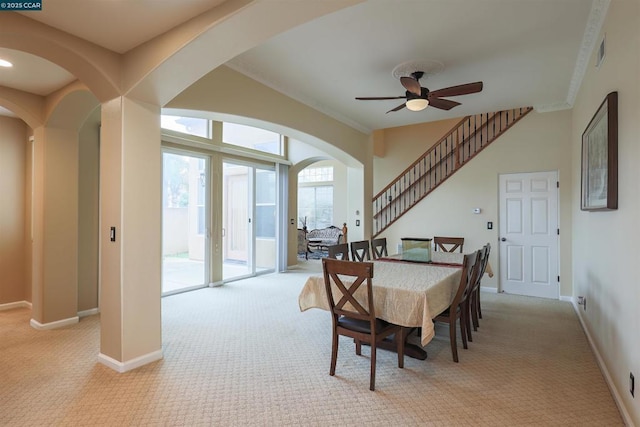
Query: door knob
503, 239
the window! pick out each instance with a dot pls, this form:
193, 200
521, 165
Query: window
176, 181
316, 205
316, 175
315, 196
202, 186
265, 203
251, 137
188, 125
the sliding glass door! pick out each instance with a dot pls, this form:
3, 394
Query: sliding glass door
249, 220
237, 183
266, 219
185, 186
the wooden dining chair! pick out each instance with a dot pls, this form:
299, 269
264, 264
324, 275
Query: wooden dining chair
350, 296
474, 304
379, 247
475, 287
339, 251
360, 251
459, 310
448, 244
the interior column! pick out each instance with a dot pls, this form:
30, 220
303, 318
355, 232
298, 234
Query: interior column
53, 229
130, 234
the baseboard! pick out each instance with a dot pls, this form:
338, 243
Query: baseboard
603, 368
53, 325
566, 298
17, 304
90, 312
130, 365
487, 289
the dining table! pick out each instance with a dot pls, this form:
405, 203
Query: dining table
405, 293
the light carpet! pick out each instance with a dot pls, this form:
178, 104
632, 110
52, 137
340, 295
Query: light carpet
243, 354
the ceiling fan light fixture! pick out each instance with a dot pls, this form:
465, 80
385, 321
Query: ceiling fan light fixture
417, 104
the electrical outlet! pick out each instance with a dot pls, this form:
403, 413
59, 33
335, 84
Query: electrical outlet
632, 384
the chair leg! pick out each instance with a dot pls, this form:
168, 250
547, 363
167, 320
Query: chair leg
334, 354
400, 340
467, 320
358, 347
479, 306
474, 311
452, 338
372, 380
463, 330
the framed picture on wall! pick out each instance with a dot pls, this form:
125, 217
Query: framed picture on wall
599, 184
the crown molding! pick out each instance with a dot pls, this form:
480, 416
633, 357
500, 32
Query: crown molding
556, 106
589, 39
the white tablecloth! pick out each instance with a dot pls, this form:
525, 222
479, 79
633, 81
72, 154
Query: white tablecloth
407, 294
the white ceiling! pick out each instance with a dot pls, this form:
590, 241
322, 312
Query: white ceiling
527, 52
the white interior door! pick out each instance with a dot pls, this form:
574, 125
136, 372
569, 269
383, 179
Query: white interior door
529, 234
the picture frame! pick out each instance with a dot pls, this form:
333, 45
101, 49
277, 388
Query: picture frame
599, 181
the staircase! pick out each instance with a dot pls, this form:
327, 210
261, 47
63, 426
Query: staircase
470, 136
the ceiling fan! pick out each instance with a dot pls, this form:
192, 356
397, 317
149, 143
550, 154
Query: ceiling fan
418, 97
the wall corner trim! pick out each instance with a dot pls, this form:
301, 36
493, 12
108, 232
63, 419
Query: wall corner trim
130, 365
53, 325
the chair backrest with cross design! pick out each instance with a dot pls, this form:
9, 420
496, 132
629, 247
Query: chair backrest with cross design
448, 244
379, 248
350, 296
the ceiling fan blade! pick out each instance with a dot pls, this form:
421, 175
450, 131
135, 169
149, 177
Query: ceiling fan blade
379, 98
399, 107
411, 84
443, 104
458, 90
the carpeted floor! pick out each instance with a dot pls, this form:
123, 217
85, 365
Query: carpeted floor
243, 354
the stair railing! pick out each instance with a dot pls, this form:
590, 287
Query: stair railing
465, 140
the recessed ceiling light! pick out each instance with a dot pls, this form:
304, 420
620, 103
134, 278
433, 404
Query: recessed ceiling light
4, 63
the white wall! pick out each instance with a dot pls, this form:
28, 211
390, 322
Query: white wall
88, 213
13, 151
538, 142
606, 254
355, 204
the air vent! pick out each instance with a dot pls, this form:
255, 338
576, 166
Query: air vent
600, 57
